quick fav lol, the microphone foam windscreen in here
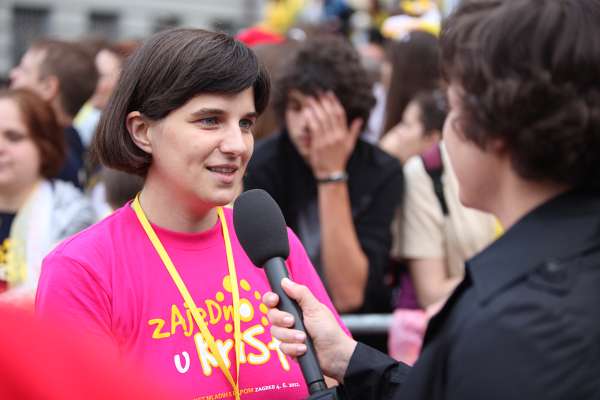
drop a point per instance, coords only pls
(260, 226)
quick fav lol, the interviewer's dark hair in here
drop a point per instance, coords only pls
(322, 63)
(528, 73)
(169, 69)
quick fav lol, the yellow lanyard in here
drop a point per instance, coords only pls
(498, 228)
(235, 293)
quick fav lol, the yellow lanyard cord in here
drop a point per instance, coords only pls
(498, 228)
(204, 331)
(235, 295)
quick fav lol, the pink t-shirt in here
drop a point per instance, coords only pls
(108, 282)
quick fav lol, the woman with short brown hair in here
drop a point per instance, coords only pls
(164, 279)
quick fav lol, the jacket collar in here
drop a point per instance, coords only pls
(560, 228)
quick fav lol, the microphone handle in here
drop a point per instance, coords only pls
(276, 270)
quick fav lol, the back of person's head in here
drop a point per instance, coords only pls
(168, 70)
(324, 63)
(527, 74)
(43, 128)
(433, 108)
(74, 69)
(414, 63)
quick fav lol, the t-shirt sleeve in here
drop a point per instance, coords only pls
(423, 232)
(302, 271)
(70, 293)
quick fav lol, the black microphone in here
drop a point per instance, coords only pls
(261, 230)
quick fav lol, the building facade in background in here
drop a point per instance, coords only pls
(23, 21)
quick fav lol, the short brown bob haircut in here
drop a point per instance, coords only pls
(169, 69)
(42, 127)
(528, 74)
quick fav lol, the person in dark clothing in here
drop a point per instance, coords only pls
(74, 163)
(523, 136)
(65, 76)
(336, 191)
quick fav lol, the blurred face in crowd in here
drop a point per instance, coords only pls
(200, 151)
(476, 169)
(27, 74)
(411, 130)
(19, 155)
(408, 138)
(296, 122)
(411, 126)
(109, 68)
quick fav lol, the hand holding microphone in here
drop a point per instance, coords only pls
(261, 230)
(333, 347)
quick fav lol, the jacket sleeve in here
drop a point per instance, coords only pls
(372, 375)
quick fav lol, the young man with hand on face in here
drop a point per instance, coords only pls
(336, 191)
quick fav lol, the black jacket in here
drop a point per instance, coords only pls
(524, 324)
(375, 184)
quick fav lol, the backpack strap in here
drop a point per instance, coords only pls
(432, 161)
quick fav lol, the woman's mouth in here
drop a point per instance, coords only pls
(224, 173)
(223, 170)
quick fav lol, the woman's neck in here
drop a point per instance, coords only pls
(13, 198)
(169, 211)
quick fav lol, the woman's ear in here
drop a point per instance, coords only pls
(139, 129)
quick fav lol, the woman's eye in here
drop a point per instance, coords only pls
(14, 136)
(208, 122)
(246, 124)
